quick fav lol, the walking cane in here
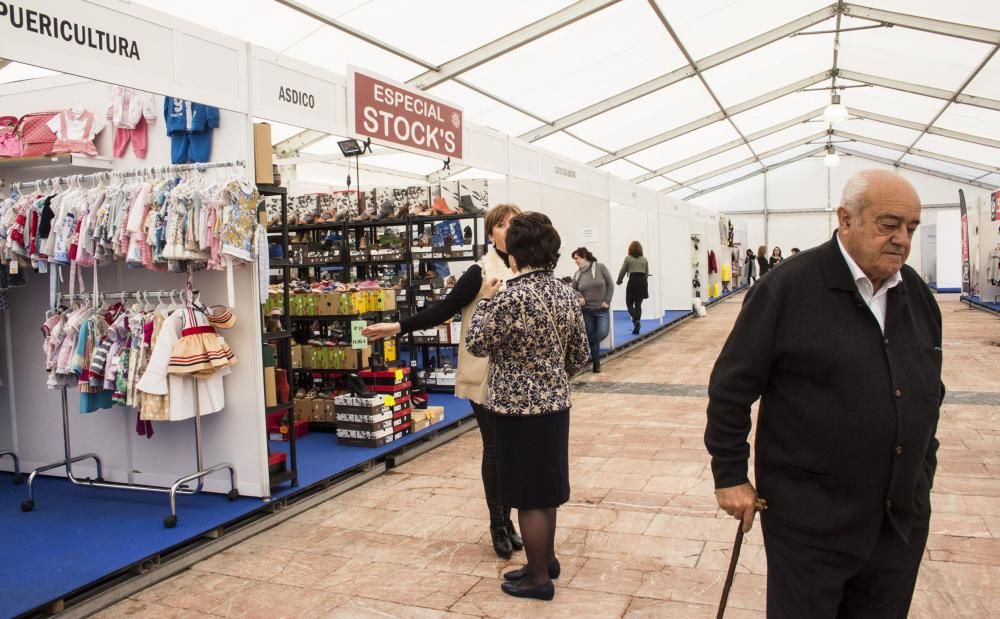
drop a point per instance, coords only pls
(760, 506)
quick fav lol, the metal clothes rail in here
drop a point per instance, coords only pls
(137, 172)
(180, 486)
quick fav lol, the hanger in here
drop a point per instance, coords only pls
(161, 306)
(173, 300)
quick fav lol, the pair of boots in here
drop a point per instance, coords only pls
(502, 532)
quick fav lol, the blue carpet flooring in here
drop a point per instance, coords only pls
(977, 301)
(78, 535)
(623, 327)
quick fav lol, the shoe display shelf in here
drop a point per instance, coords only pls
(283, 469)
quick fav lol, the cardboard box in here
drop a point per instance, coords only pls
(270, 387)
(301, 429)
(329, 411)
(435, 413)
(328, 304)
(318, 412)
(420, 424)
(263, 155)
(303, 408)
(418, 414)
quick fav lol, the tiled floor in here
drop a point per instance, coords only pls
(641, 537)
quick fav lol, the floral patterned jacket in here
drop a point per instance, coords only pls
(533, 333)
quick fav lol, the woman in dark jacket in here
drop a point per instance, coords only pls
(775, 256)
(750, 268)
(534, 336)
(763, 266)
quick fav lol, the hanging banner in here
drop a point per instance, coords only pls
(399, 116)
(966, 275)
(994, 205)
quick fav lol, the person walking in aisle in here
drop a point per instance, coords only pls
(593, 281)
(843, 347)
(533, 333)
(750, 268)
(763, 266)
(470, 379)
(637, 268)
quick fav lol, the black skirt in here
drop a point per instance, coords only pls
(533, 460)
(637, 288)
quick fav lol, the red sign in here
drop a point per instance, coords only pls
(400, 116)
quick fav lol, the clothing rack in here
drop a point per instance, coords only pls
(18, 476)
(150, 171)
(180, 485)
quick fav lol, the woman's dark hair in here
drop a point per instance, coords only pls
(750, 253)
(635, 249)
(533, 242)
(583, 252)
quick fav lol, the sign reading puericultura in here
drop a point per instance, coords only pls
(68, 30)
(402, 117)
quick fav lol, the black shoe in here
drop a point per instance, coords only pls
(554, 570)
(545, 591)
(635, 327)
(501, 541)
(597, 367)
(515, 540)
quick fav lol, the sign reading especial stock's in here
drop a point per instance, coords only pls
(399, 116)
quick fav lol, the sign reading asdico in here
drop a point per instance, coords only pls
(67, 30)
(296, 97)
(398, 115)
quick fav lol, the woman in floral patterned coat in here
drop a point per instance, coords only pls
(534, 335)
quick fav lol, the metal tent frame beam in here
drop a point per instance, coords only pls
(916, 151)
(712, 118)
(914, 168)
(917, 89)
(682, 73)
(509, 42)
(909, 124)
(798, 120)
(739, 164)
(763, 170)
(926, 24)
(701, 77)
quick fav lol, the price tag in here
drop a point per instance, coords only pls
(399, 375)
(358, 341)
(14, 267)
(389, 400)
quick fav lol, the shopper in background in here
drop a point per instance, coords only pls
(470, 379)
(775, 256)
(794, 251)
(750, 268)
(637, 268)
(533, 333)
(843, 347)
(593, 281)
(763, 266)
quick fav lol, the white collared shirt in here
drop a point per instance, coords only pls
(877, 300)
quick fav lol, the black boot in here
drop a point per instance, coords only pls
(635, 327)
(515, 540)
(597, 366)
(498, 533)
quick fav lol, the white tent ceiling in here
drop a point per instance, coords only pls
(682, 97)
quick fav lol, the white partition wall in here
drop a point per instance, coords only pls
(948, 250)
(928, 260)
(179, 59)
(674, 273)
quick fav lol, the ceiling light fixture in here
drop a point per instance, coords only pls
(831, 159)
(835, 112)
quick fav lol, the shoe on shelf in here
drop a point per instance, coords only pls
(440, 207)
(386, 210)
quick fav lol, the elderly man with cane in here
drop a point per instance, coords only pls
(843, 347)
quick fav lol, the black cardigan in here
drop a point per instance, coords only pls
(848, 415)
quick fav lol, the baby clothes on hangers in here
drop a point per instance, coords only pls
(189, 126)
(130, 113)
(75, 131)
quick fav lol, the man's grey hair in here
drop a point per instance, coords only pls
(855, 195)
